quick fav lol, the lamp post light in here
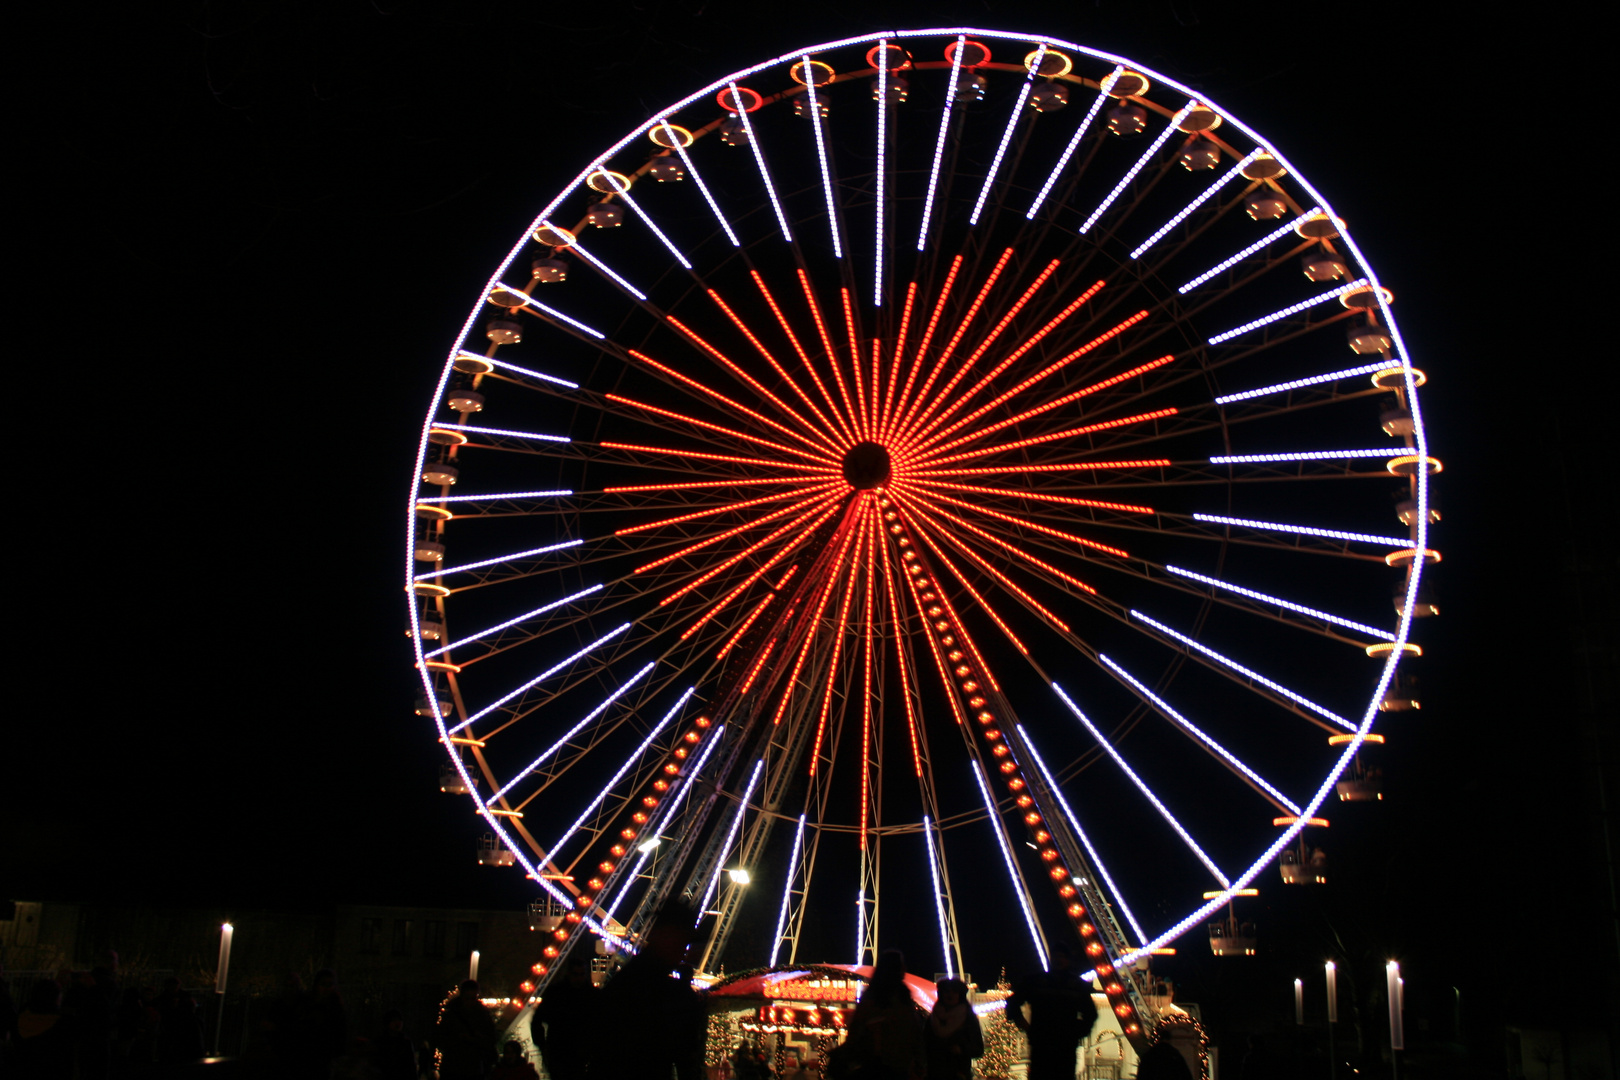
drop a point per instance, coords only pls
(1333, 1015)
(1397, 1030)
(1299, 1002)
(226, 930)
(472, 966)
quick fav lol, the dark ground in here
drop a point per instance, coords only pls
(285, 209)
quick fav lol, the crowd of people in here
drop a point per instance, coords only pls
(84, 1026)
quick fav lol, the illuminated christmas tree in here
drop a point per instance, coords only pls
(1002, 1041)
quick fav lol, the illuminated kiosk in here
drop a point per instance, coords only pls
(932, 450)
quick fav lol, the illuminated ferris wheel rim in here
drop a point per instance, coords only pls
(1401, 361)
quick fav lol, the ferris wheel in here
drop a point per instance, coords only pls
(957, 446)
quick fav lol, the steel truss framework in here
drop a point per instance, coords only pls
(943, 392)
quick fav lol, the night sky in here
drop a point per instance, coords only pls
(257, 228)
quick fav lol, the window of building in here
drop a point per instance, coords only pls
(466, 938)
(402, 938)
(371, 937)
(433, 939)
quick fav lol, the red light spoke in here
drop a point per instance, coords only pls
(985, 564)
(775, 364)
(814, 455)
(724, 400)
(707, 513)
(797, 481)
(877, 351)
(744, 527)
(999, 542)
(1067, 466)
(759, 609)
(866, 697)
(804, 357)
(900, 645)
(748, 684)
(745, 377)
(1128, 508)
(928, 334)
(1047, 529)
(956, 620)
(814, 624)
(855, 363)
(840, 626)
(950, 346)
(825, 470)
(733, 561)
(899, 354)
(759, 573)
(1104, 425)
(826, 343)
(962, 578)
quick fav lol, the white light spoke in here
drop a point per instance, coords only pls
(1371, 631)
(1305, 530)
(1006, 136)
(1074, 823)
(503, 431)
(1298, 699)
(1295, 384)
(525, 617)
(1080, 132)
(1292, 309)
(575, 730)
(939, 900)
(468, 354)
(579, 249)
(1265, 241)
(1000, 828)
(821, 154)
(759, 157)
(1153, 148)
(497, 496)
(939, 145)
(624, 193)
(697, 179)
(731, 838)
(498, 559)
(787, 888)
(547, 309)
(1202, 198)
(1311, 455)
(551, 852)
(882, 177)
(544, 675)
(1198, 733)
(1163, 810)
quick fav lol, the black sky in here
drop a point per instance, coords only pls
(256, 228)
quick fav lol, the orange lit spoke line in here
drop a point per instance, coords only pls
(1005, 545)
(855, 363)
(979, 433)
(1050, 369)
(747, 582)
(839, 627)
(877, 404)
(776, 365)
(928, 333)
(728, 402)
(942, 398)
(956, 621)
(1053, 436)
(759, 609)
(814, 455)
(950, 346)
(741, 555)
(797, 481)
(985, 564)
(1026, 523)
(933, 630)
(826, 344)
(814, 625)
(866, 697)
(758, 386)
(709, 512)
(1016, 493)
(899, 639)
(899, 356)
(748, 683)
(824, 470)
(804, 358)
(1021, 468)
(817, 497)
(939, 553)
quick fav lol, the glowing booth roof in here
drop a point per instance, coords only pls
(811, 982)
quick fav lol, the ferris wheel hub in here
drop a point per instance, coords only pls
(866, 466)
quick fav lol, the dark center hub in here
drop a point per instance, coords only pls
(866, 466)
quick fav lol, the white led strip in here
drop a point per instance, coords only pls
(731, 837)
(1264, 241)
(759, 156)
(1371, 631)
(496, 497)
(787, 889)
(575, 730)
(1074, 142)
(939, 145)
(1202, 198)
(1310, 455)
(555, 314)
(503, 431)
(468, 354)
(821, 154)
(882, 177)
(1298, 699)
(525, 617)
(697, 179)
(1197, 733)
(1074, 823)
(498, 559)
(1164, 136)
(1306, 530)
(579, 249)
(1006, 136)
(1163, 810)
(1287, 311)
(1000, 828)
(546, 674)
(1332, 376)
(939, 900)
(624, 193)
